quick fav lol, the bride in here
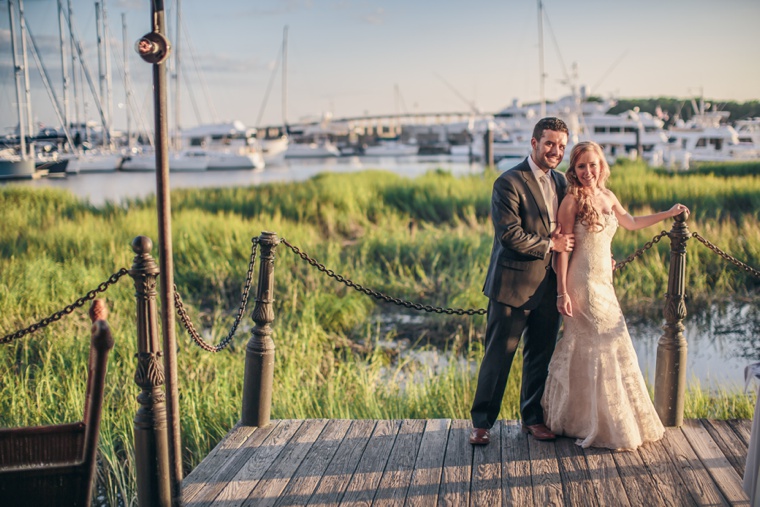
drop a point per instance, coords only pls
(595, 390)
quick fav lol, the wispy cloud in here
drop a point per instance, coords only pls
(377, 17)
(212, 63)
(279, 7)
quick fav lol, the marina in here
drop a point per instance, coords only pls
(328, 396)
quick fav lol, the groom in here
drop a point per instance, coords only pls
(520, 284)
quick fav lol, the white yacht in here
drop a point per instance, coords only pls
(705, 137)
(226, 145)
(322, 148)
(622, 135)
(185, 160)
(95, 161)
(392, 148)
(274, 150)
(748, 131)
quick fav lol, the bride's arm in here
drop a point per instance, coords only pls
(568, 209)
(632, 223)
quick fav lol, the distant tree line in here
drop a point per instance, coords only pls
(671, 108)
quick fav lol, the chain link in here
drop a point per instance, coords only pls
(733, 260)
(185, 318)
(376, 294)
(66, 310)
(638, 253)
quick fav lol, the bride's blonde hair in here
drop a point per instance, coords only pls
(588, 214)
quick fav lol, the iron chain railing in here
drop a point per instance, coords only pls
(733, 260)
(185, 318)
(66, 310)
(198, 340)
(638, 253)
(376, 294)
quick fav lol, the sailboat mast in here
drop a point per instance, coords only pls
(541, 74)
(64, 67)
(27, 89)
(285, 78)
(177, 69)
(127, 90)
(101, 65)
(17, 73)
(74, 68)
(107, 60)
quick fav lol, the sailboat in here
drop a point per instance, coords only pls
(212, 146)
(274, 141)
(17, 164)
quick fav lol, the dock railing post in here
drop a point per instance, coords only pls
(151, 436)
(488, 158)
(670, 370)
(259, 353)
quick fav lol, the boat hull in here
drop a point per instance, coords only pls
(17, 169)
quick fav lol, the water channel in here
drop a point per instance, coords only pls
(722, 340)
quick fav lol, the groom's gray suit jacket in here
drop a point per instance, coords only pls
(520, 262)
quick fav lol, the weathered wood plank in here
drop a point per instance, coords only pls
(605, 477)
(277, 476)
(577, 487)
(743, 428)
(485, 485)
(547, 484)
(257, 463)
(666, 479)
(228, 470)
(729, 442)
(394, 484)
(305, 480)
(217, 458)
(637, 479)
(457, 466)
(363, 485)
(697, 480)
(517, 484)
(715, 462)
(426, 477)
(333, 484)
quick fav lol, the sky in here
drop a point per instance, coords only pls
(370, 57)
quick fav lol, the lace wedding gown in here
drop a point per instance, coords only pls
(595, 390)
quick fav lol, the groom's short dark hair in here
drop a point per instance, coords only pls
(549, 123)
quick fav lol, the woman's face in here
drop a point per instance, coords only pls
(588, 169)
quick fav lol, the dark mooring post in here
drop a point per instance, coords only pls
(670, 371)
(259, 353)
(151, 438)
(488, 147)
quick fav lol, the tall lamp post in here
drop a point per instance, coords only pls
(154, 48)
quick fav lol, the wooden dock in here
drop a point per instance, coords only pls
(419, 463)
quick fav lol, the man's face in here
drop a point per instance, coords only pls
(549, 150)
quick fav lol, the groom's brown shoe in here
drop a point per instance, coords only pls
(539, 431)
(480, 436)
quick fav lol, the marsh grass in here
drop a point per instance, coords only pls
(426, 240)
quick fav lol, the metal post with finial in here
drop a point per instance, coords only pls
(151, 443)
(670, 369)
(259, 353)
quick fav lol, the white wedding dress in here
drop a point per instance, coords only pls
(595, 390)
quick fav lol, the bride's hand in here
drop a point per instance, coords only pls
(564, 306)
(677, 209)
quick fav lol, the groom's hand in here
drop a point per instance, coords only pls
(562, 242)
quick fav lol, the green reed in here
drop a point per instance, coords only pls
(426, 240)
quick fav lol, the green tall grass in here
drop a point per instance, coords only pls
(426, 240)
